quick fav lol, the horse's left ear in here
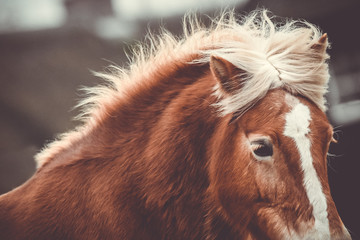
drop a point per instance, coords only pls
(228, 76)
(321, 44)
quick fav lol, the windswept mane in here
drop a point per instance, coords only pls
(271, 56)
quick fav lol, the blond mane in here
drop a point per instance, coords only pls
(273, 56)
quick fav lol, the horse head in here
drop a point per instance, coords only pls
(268, 167)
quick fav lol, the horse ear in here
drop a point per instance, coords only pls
(321, 44)
(226, 74)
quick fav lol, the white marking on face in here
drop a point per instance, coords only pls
(297, 128)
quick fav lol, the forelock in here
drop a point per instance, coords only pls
(274, 55)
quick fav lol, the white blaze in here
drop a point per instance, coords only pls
(297, 128)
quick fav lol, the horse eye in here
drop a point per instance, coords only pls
(262, 148)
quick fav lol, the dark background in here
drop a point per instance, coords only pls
(42, 70)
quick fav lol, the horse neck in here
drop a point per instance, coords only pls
(121, 119)
(166, 135)
(161, 139)
(155, 133)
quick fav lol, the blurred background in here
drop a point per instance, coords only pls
(48, 49)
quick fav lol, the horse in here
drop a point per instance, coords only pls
(218, 134)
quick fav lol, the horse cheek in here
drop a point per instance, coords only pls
(237, 194)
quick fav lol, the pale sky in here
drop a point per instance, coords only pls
(137, 9)
(27, 15)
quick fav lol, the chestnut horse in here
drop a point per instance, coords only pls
(218, 135)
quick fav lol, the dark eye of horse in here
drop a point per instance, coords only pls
(262, 148)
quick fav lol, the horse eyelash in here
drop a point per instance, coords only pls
(256, 147)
